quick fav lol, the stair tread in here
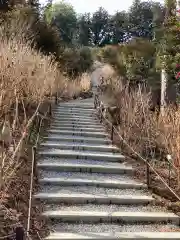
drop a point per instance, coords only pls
(131, 183)
(82, 164)
(99, 146)
(59, 152)
(61, 136)
(77, 132)
(111, 208)
(93, 191)
(84, 176)
(124, 215)
(116, 235)
(111, 228)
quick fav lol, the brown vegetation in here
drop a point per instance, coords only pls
(150, 134)
(28, 81)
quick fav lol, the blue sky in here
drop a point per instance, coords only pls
(112, 6)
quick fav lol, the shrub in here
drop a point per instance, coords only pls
(76, 61)
(134, 60)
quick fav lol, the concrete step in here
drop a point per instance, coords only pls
(103, 207)
(73, 195)
(77, 139)
(79, 133)
(63, 181)
(82, 167)
(89, 107)
(78, 128)
(123, 217)
(78, 125)
(80, 147)
(80, 121)
(74, 110)
(76, 116)
(70, 154)
(120, 235)
(95, 177)
(114, 235)
(111, 228)
(83, 123)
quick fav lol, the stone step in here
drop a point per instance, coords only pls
(75, 117)
(82, 167)
(64, 181)
(77, 139)
(123, 217)
(81, 109)
(75, 114)
(80, 121)
(80, 147)
(84, 176)
(75, 197)
(78, 133)
(89, 107)
(74, 110)
(72, 115)
(78, 116)
(112, 228)
(103, 207)
(78, 125)
(83, 123)
(114, 235)
(70, 154)
(78, 128)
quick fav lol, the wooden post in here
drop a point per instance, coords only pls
(50, 110)
(56, 99)
(34, 159)
(112, 133)
(1, 167)
(19, 233)
(148, 173)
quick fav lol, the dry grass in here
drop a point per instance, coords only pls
(150, 135)
(107, 72)
(26, 77)
(75, 86)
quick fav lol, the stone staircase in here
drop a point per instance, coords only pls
(88, 188)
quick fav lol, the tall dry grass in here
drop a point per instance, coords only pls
(27, 77)
(150, 134)
(75, 86)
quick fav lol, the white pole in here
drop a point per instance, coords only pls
(164, 80)
(178, 6)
